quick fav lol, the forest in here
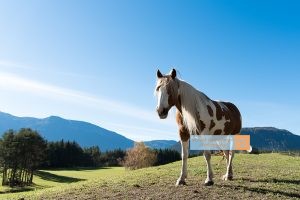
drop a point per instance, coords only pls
(25, 151)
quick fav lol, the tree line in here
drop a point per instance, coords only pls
(24, 151)
(66, 154)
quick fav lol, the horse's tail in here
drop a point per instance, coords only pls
(250, 150)
(253, 150)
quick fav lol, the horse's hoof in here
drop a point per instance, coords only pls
(224, 177)
(180, 182)
(227, 178)
(209, 183)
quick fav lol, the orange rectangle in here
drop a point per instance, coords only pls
(241, 142)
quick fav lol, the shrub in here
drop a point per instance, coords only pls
(139, 156)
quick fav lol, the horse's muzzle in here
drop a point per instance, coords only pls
(162, 113)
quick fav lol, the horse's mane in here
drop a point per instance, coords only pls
(192, 103)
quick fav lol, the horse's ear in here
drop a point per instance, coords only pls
(173, 73)
(158, 74)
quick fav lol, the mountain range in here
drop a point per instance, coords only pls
(55, 128)
(265, 139)
(270, 138)
(160, 144)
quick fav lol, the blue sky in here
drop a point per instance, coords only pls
(96, 60)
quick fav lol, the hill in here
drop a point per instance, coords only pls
(270, 138)
(264, 176)
(55, 128)
(266, 138)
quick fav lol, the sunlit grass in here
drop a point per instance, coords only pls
(264, 176)
(58, 178)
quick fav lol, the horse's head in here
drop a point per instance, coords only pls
(166, 92)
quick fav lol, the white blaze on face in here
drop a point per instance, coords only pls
(163, 97)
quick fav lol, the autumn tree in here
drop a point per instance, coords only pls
(139, 156)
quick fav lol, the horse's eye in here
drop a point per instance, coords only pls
(158, 88)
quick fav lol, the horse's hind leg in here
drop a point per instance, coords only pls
(229, 157)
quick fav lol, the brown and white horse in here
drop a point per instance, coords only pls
(196, 114)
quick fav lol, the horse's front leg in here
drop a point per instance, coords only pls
(184, 155)
(184, 138)
(209, 179)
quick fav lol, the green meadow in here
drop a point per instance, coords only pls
(264, 176)
(56, 179)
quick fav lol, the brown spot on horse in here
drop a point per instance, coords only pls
(218, 132)
(212, 124)
(210, 111)
(219, 111)
(183, 131)
(233, 125)
(202, 125)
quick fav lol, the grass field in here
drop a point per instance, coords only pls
(59, 178)
(265, 176)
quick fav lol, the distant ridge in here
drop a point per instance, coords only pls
(270, 138)
(160, 144)
(267, 138)
(55, 128)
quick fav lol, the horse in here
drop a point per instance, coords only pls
(196, 114)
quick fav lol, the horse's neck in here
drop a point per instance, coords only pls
(190, 95)
(192, 103)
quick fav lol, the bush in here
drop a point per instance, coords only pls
(139, 156)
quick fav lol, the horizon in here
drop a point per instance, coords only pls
(254, 127)
(97, 61)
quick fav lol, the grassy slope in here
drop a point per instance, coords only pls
(265, 176)
(59, 178)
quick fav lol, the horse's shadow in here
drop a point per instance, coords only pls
(273, 180)
(266, 190)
